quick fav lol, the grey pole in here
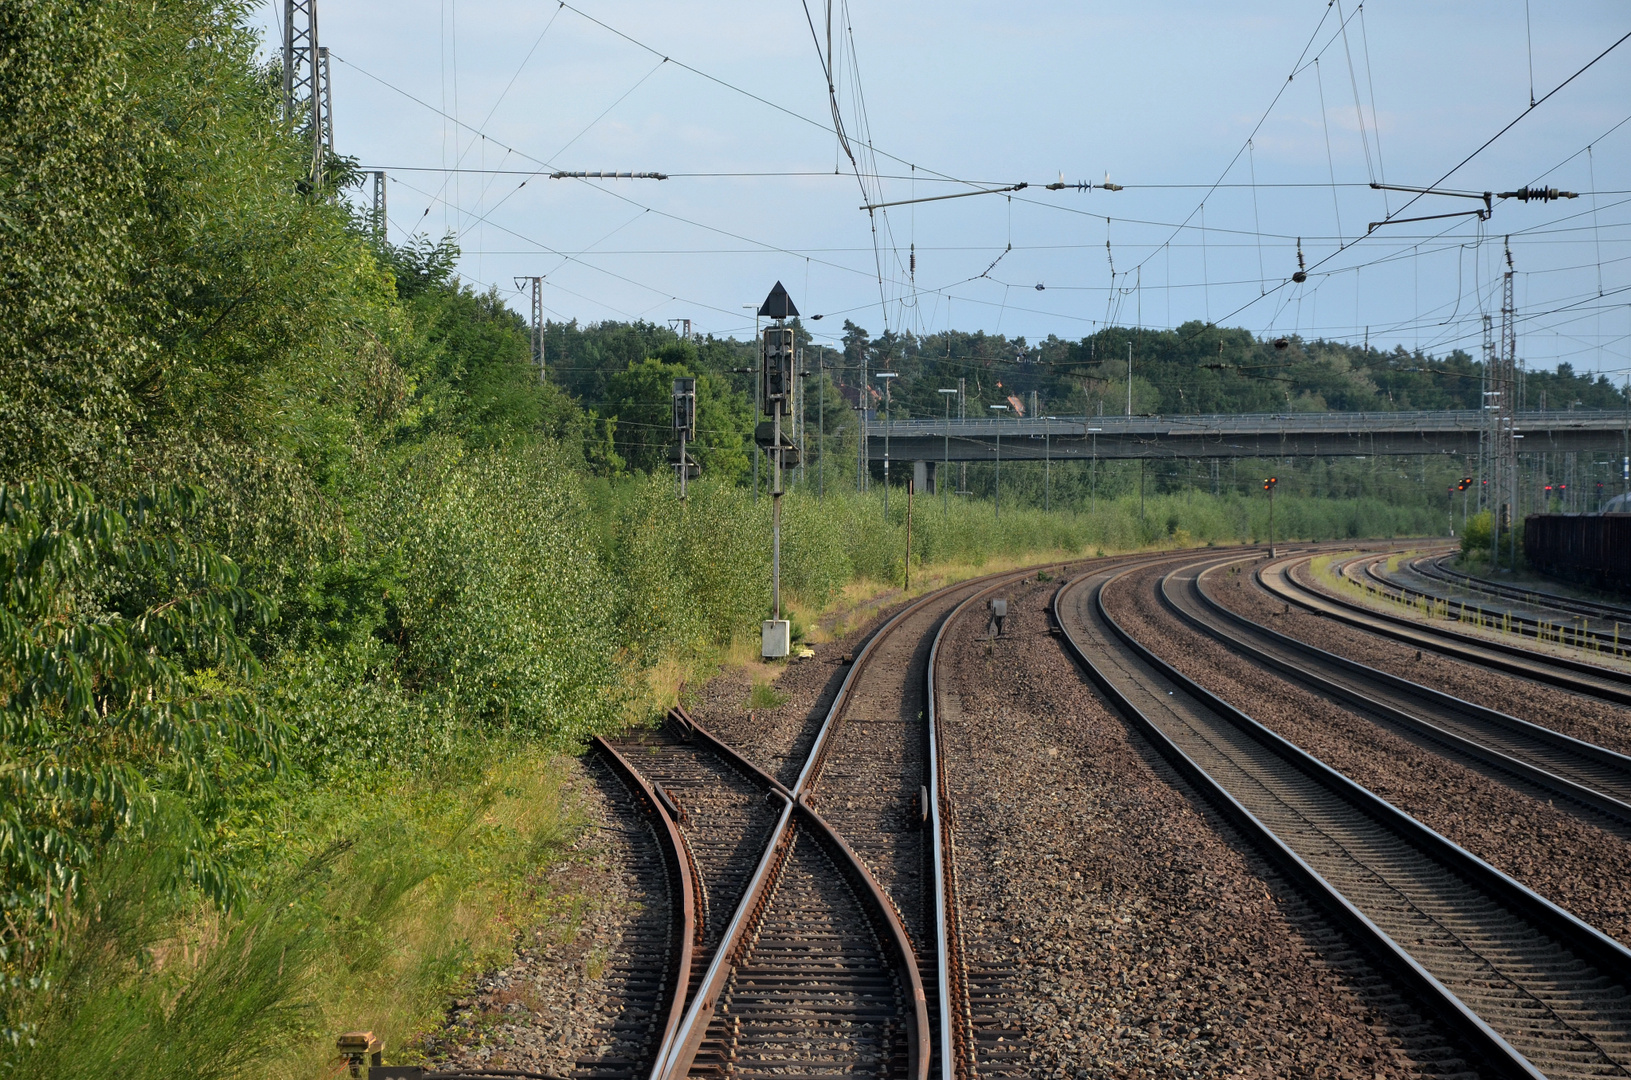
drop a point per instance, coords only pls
(758, 374)
(945, 495)
(996, 493)
(776, 514)
(1047, 466)
(888, 426)
(821, 425)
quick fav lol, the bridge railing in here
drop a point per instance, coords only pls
(1442, 420)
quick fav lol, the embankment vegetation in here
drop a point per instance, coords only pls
(309, 580)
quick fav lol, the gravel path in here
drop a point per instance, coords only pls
(556, 1002)
(1144, 939)
(1582, 717)
(1577, 865)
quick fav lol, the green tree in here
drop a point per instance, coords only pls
(641, 397)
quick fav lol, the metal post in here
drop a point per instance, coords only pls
(776, 516)
(888, 424)
(378, 215)
(996, 495)
(910, 486)
(1129, 378)
(1047, 466)
(866, 465)
(945, 495)
(821, 427)
(962, 414)
(1271, 521)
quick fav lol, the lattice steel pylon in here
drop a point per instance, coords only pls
(1487, 493)
(307, 99)
(537, 285)
(377, 213)
(1504, 445)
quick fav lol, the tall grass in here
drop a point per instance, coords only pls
(372, 929)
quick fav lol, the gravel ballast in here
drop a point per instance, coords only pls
(557, 1001)
(1577, 865)
(1576, 715)
(1143, 938)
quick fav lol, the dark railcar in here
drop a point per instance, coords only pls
(1592, 549)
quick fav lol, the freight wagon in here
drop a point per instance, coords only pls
(1592, 549)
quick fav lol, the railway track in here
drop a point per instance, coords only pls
(1592, 781)
(1590, 680)
(1538, 619)
(1533, 990)
(830, 963)
(1434, 567)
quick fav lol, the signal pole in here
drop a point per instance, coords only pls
(777, 378)
(685, 425)
(1269, 485)
(306, 92)
(888, 424)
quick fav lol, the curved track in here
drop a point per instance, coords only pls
(831, 958)
(1434, 567)
(1591, 680)
(648, 979)
(1534, 617)
(1534, 990)
(1590, 779)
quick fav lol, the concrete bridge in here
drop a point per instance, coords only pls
(1242, 435)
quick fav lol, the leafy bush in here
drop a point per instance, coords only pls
(1477, 535)
(500, 607)
(119, 654)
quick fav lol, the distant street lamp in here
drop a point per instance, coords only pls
(888, 423)
(996, 497)
(946, 393)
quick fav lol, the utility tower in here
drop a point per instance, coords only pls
(1486, 435)
(537, 286)
(1504, 447)
(307, 98)
(377, 215)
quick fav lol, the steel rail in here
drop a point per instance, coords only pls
(1350, 830)
(956, 1042)
(682, 1049)
(1457, 610)
(1581, 773)
(956, 1038)
(682, 891)
(688, 1039)
(1435, 568)
(1560, 671)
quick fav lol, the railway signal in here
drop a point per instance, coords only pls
(685, 426)
(1269, 485)
(776, 376)
(1466, 482)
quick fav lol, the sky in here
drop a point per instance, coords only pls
(1241, 135)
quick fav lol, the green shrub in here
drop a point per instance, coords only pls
(1477, 534)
